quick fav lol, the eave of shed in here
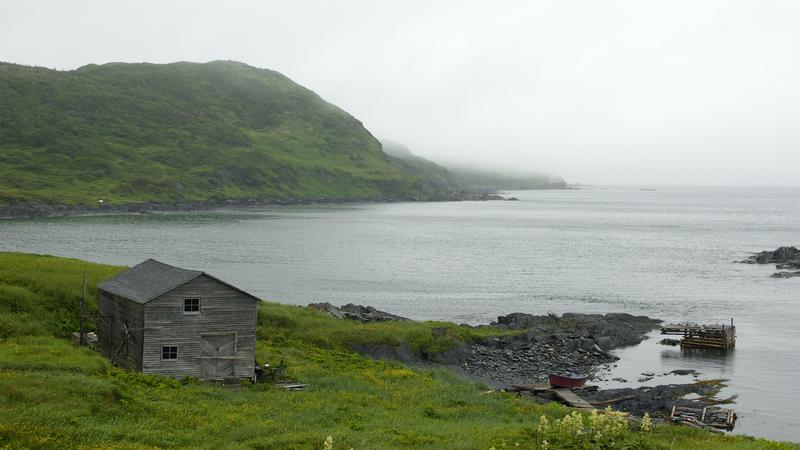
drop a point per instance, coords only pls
(150, 279)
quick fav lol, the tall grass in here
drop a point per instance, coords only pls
(40, 295)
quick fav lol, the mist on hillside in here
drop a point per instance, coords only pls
(479, 177)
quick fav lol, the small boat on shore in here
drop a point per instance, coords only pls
(567, 380)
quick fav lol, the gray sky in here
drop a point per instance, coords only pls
(609, 92)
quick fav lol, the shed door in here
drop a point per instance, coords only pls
(218, 354)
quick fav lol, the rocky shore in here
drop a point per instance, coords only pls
(784, 258)
(356, 312)
(657, 400)
(32, 209)
(545, 344)
(536, 346)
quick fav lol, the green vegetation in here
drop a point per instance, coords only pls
(184, 132)
(56, 395)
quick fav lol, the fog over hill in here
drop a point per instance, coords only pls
(474, 177)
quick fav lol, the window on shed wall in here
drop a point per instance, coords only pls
(191, 305)
(169, 352)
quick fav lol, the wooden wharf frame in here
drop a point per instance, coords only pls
(721, 337)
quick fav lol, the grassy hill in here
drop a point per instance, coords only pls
(56, 395)
(184, 132)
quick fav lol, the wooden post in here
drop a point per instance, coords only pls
(82, 336)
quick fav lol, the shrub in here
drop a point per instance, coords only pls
(599, 430)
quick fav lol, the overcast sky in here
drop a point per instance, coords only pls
(606, 92)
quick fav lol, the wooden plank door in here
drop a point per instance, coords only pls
(217, 355)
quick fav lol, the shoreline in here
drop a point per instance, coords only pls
(540, 345)
(28, 210)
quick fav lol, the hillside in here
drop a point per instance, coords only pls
(185, 132)
(56, 395)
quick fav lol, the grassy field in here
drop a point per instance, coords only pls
(56, 395)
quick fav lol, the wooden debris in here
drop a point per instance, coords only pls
(614, 400)
(711, 418)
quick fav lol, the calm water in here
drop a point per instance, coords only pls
(665, 253)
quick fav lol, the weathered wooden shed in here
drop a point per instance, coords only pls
(160, 319)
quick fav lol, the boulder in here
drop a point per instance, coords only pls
(605, 343)
(781, 255)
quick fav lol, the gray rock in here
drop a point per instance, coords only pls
(785, 274)
(356, 312)
(656, 400)
(605, 342)
(784, 258)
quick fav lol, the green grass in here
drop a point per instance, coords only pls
(56, 395)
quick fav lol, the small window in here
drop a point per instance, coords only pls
(191, 305)
(169, 352)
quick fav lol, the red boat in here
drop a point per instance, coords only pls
(567, 380)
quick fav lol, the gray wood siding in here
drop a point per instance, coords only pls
(116, 315)
(222, 310)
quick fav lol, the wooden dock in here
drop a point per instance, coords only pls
(721, 337)
(564, 395)
(571, 399)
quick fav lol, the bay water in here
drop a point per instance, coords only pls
(667, 253)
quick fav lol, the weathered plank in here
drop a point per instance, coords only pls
(572, 399)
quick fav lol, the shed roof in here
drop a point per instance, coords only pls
(150, 279)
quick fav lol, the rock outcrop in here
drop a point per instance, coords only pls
(572, 342)
(607, 331)
(789, 256)
(356, 312)
(657, 400)
(784, 258)
(785, 274)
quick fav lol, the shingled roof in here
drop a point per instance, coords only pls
(150, 279)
